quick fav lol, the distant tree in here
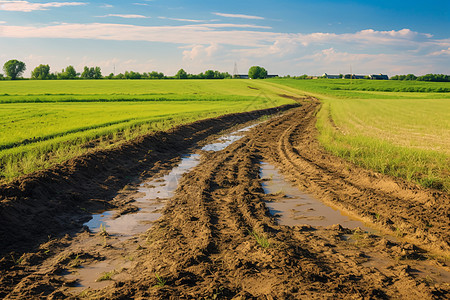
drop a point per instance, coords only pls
(70, 72)
(41, 72)
(155, 75)
(410, 77)
(97, 73)
(181, 74)
(132, 75)
(14, 68)
(209, 74)
(434, 77)
(86, 73)
(119, 76)
(1, 76)
(257, 72)
(92, 73)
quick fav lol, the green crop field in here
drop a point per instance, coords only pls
(404, 134)
(47, 122)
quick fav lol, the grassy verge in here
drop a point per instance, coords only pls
(390, 133)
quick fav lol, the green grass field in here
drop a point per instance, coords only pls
(47, 122)
(131, 90)
(404, 134)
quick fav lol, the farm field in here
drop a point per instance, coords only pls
(137, 212)
(45, 122)
(403, 134)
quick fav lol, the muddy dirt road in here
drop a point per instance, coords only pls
(216, 238)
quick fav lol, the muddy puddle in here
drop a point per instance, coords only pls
(156, 193)
(296, 208)
(153, 196)
(228, 139)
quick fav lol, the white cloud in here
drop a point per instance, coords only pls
(186, 34)
(124, 16)
(106, 6)
(182, 20)
(26, 6)
(441, 52)
(200, 52)
(229, 25)
(240, 16)
(2, 22)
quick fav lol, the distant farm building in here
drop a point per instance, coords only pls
(353, 76)
(379, 77)
(325, 75)
(271, 76)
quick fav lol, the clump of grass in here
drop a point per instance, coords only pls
(103, 231)
(106, 276)
(260, 239)
(76, 262)
(17, 261)
(160, 281)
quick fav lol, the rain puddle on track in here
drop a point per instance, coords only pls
(298, 208)
(155, 195)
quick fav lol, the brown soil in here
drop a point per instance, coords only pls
(205, 244)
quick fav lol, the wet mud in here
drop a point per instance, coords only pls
(218, 238)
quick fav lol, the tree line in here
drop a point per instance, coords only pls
(427, 77)
(14, 69)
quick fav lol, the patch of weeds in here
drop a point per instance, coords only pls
(160, 281)
(106, 276)
(17, 261)
(103, 230)
(85, 294)
(378, 217)
(75, 263)
(260, 239)
(428, 280)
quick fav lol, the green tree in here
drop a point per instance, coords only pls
(155, 75)
(91, 73)
(181, 74)
(97, 73)
(41, 72)
(14, 68)
(209, 74)
(86, 73)
(70, 72)
(257, 72)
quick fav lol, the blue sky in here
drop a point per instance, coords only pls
(285, 37)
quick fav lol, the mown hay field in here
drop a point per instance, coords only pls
(47, 122)
(403, 134)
